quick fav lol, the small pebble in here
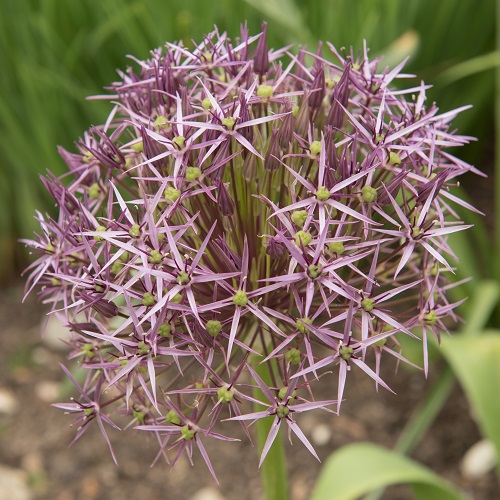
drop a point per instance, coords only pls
(208, 493)
(54, 334)
(478, 460)
(13, 484)
(321, 434)
(48, 391)
(8, 403)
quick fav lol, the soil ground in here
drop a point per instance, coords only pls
(34, 436)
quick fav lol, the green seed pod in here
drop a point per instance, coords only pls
(302, 323)
(265, 91)
(155, 257)
(394, 158)
(192, 173)
(336, 247)
(139, 416)
(315, 148)
(302, 237)
(322, 193)
(213, 327)
(282, 394)
(293, 356)
(368, 304)
(88, 157)
(148, 299)
(282, 411)
(187, 433)
(161, 122)
(138, 147)
(240, 298)
(135, 231)
(299, 217)
(165, 330)
(346, 352)
(368, 194)
(116, 267)
(171, 194)
(431, 318)
(228, 122)
(183, 278)
(176, 298)
(225, 395)
(206, 104)
(314, 271)
(94, 190)
(172, 418)
(88, 350)
(179, 141)
(142, 348)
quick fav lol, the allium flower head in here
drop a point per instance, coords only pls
(242, 206)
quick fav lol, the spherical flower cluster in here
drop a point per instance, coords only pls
(245, 208)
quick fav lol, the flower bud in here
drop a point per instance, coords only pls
(293, 356)
(135, 231)
(302, 324)
(172, 418)
(282, 411)
(225, 204)
(336, 247)
(224, 395)
(148, 299)
(322, 193)
(346, 352)
(265, 91)
(240, 298)
(302, 238)
(261, 57)
(368, 194)
(213, 327)
(165, 330)
(299, 217)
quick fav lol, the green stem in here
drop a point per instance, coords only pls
(496, 176)
(426, 412)
(273, 470)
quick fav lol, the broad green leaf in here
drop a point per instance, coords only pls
(358, 469)
(470, 67)
(476, 362)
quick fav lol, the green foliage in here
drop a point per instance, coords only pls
(358, 469)
(57, 53)
(475, 361)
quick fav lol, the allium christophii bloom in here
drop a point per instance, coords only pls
(242, 206)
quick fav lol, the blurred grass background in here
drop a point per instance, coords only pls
(55, 53)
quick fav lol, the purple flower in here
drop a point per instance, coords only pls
(239, 207)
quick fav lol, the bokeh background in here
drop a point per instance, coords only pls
(56, 53)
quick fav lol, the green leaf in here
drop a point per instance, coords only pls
(360, 468)
(476, 362)
(470, 67)
(286, 13)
